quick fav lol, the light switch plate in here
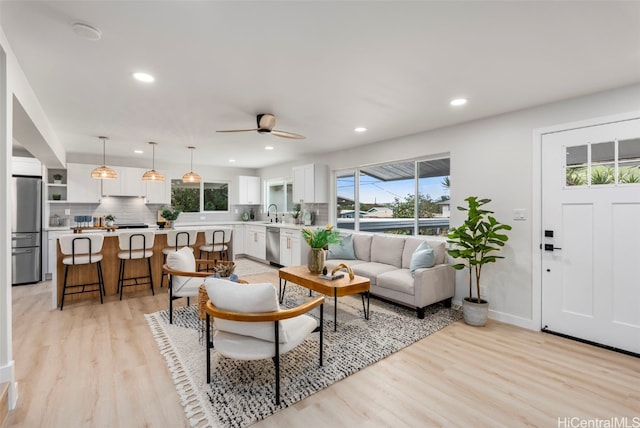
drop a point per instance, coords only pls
(519, 214)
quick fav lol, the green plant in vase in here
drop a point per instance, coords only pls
(170, 214)
(318, 240)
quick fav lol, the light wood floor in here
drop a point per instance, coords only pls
(97, 365)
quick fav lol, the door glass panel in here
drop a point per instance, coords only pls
(629, 161)
(603, 163)
(576, 161)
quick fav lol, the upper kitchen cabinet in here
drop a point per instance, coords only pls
(310, 183)
(159, 192)
(248, 190)
(80, 186)
(128, 183)
(26, 166)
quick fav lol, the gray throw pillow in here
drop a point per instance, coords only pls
(343, 250)
(422, 257)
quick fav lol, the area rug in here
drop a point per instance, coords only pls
(245, 267)
(242, 392)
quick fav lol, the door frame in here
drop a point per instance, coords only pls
(536, 212)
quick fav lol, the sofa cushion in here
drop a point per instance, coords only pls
(399, 280)
(245, 298)
(330, 264)
(343, 250)
(387, 250)
(423, 257)
(411, 244)
(362, 247)
(371, 270)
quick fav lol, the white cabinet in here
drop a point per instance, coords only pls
(290, 242)
(128, 183)
(159, 192)
(50, 253)
(80, 186)
(248, 190)
(238, 239)
(255, 244)
(310, 183)
(26, 166)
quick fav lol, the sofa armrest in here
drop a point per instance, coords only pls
(434, 284)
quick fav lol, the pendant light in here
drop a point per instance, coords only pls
(191, 177)
(103, 172)
(152, 174)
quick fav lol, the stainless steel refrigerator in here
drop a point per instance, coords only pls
(26, 231)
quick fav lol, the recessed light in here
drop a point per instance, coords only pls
(268, 147)
(360, 129)
(143, 77)
(232, 160)
(458, 102)
(138, 152)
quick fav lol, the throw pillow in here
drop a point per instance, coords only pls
(422, 257)
(184, 261)
(343, 250)
(245, 298)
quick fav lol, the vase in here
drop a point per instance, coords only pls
(316, 260)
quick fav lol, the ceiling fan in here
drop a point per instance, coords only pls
(266, 122)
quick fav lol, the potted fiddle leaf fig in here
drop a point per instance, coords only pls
(476, 242)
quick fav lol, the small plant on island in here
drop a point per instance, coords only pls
(110, 217)
(170, 214)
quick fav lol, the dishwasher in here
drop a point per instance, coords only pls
(273, 245)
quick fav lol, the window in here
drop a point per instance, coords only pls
(190, 197)
(408, 197)
(280, 192)
(216, 196)
(185, 196)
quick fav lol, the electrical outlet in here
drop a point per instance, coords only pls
(67, 211)
(203, 217)
(519, 214)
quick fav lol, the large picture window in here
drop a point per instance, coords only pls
(408, 197)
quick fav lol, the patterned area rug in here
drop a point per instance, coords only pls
(245, 267)
(242, 392)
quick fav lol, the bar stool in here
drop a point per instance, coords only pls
(135, 245)
(82, 250)
(216, 241)
(177, 239)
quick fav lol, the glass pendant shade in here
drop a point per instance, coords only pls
(191, 177)
(104, 172)
(152, 174)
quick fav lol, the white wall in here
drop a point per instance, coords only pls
(490, 158)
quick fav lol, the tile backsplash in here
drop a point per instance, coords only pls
(134, 210)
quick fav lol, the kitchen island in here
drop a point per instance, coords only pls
(111, 264)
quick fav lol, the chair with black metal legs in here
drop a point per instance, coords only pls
(216, 242)
(135, 245)
(80, 249)
(177, 239)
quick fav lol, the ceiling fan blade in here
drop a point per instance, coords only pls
(287, 134)
(239, 130)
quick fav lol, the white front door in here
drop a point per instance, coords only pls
(591, 234)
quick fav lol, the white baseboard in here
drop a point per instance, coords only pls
(507, 318)
(7, 374)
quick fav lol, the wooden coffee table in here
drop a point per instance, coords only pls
(337, 288)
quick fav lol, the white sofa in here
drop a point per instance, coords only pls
(385, 260)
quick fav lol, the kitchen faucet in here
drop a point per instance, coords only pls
(269, 210)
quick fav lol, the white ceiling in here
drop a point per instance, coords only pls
(322, 67)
